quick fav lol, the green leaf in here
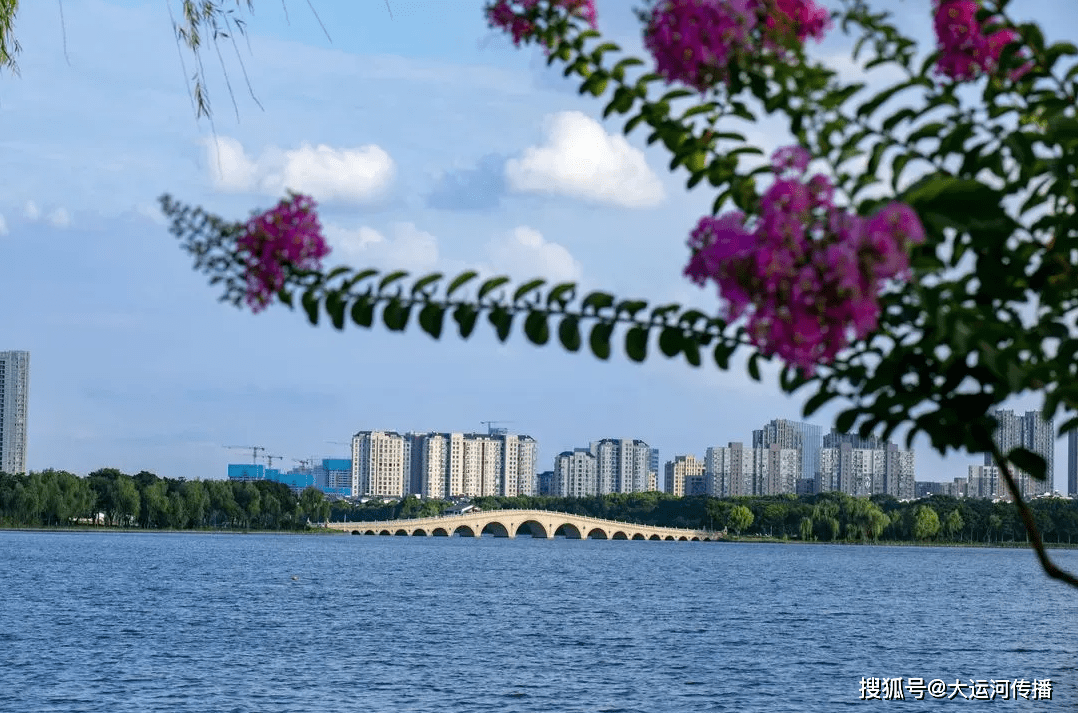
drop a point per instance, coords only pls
(502, 320)
(284, 296)
(691, 350)
(621, 103)
(390, 279)
(395, 315)
(1030, 462)
(561, 293)
(600, 339)
(930, 130)
(671, 340)
(596, 301)
(536, 327)
(569, 332)
(845, 420)
(357, 278)
(636, 343)
(819, 399)
(363, 311)
(722, 353)
(459, 281)
(335, 306)
(528, 287)
(754, 366)
(491, 285)
(310, 305)
(465, 316)
(431, 318)
(422, 283)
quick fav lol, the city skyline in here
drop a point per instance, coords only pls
(462, 172)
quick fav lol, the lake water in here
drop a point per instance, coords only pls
(272, 624)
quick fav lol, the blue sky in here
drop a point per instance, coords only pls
(431, 143)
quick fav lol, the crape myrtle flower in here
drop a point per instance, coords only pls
(286, 237)
(968, 48)
(808, 274)
(512, 15)
(696, 42)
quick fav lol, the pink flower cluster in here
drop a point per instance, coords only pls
(286, 236)
(695, 41)
(966, 50)
(512, 15)
(810, 272)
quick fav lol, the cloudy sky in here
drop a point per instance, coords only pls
(431, 144)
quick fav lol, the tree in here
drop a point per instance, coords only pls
(954, 523)
(926, 522)
(806, 529)
(739, 519)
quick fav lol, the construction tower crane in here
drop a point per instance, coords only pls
(254, 451)
(305, 463)
(269, 460)
(492, 431)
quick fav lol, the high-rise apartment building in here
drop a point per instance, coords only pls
(380, 464)
(1031, 431)
(734, 470)
(623, 465)
(865, 466)
(804, 437)
(685, 476)
(442, 465)
(1072, 463)
(14, 402)
(575, 473)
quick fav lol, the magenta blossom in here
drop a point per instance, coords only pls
(699, 42)
(286, 237)
(808, 274)
(968, 48)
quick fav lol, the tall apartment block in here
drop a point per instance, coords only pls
(1029, 430)
(441, 465)
(865, 466)
(1072, 463)
(804, 437)
(14, 401)
(735, 470)
(575, 473)
(685, 476)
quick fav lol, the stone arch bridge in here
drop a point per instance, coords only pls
(536, 523)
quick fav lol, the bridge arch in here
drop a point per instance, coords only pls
(655, 537)
(401, 532)
(494, 528)
(419, 532)
(639, 536)
(683, 539)
(439, 532)
(619, 535)
(385, 532)
(532, 528)
(568, 530)
(668, 538)
(464, 531)
(598, 533)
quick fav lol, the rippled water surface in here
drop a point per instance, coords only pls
(269, 624)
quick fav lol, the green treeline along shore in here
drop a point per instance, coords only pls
(110, 498)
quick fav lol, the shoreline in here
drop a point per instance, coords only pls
(750, 540)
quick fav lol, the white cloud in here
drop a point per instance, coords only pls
(580, 159)
(31, 211)
(3, 225)
(525, 254)
(408, 248)
(329, 174)
(59, 218)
